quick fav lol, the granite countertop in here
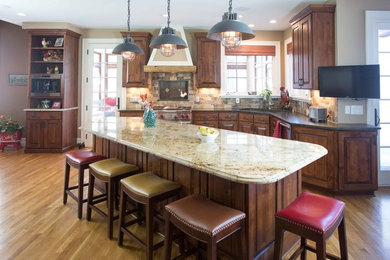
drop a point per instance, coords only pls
(49, 109)
(289, 117)
(235, 156)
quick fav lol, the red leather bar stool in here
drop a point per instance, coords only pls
(81, 161)
(205, 221)
(147, 189)
(109, 171)
(314, 217)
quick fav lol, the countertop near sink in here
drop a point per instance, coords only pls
(289, 117)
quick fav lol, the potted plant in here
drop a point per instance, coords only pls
(10, 130)
(266, 95)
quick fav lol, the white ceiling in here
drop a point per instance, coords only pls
(104, 14)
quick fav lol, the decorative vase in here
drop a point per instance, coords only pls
(4, 137)
(149, 117)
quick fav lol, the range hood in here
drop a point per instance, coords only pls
(180, 62)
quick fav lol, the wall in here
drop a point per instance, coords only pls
(13, 60)
(350, 44)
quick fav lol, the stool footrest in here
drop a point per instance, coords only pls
(312, 249)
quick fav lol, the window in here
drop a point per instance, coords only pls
(251, 69)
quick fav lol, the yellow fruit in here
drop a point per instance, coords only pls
(210, 131)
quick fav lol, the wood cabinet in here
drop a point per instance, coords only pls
(228, 125)
(358, 168)
(313, 40)
(261, 129)
(206, 123)
(254, 123)
(322, 172)
(133, 74)
(53, 75)
(208, 62)
(131, 113)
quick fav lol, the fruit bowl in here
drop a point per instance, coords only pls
(207, 135)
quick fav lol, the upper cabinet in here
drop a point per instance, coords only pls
(208, 62)
(313, 44)
(133, 72)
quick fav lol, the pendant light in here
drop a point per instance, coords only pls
(168, 42)
(230, 31)
(128, 49)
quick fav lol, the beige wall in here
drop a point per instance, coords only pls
(350, 44)
(13, 60)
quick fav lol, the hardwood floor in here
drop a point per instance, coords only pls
(34, 224)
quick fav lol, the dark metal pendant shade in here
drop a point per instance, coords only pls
(216, 31)
(168, 36)
(128, 45)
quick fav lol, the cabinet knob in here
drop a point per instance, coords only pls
(52, 116)
(300, 82)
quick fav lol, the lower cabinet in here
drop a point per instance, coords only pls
(131, 113)
(228, 125)
(261, 129)
(245, 127)
(322, 172)
(351, 163)
(358, 169)
(206, 123)
(51, 131)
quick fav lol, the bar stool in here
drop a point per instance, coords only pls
(81, 161)
(313, 217)
(147, 189)
(109, 171)
(205, 221)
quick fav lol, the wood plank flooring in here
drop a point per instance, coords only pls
(34, 224)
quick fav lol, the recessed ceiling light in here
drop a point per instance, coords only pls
(251, 25)
(21, 14)
(165, 15)
(272, 21)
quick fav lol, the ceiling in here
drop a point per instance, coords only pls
(107, 14)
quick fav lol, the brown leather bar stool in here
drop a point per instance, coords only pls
(147, 189)
(109, 171)
(204, 220)
(313, 217)
(79, 160)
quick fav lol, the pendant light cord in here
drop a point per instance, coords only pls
(230, 6)
(128, 18)
(169, 13)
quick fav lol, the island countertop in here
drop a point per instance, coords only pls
(239, 157)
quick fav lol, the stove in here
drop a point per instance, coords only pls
(182, 114)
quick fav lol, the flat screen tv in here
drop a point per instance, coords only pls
(361, 81)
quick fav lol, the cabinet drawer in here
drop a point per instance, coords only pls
(205, 116)
(228, 125)
(229, 116)
(263, 119)
(44, 115)
(246, 127)
(131, 113)
(261, 129)
(206, 123)
(245, 117)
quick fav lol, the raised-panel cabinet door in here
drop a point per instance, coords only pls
(35, 134)
(246, 127)
(358, 168)
(228, 125)
(323, 171)
(53, 134)
(297, 54)
(208, 62)
(133, 71)
(261, 129)
(306, 78)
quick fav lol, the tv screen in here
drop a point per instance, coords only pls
(360, 81)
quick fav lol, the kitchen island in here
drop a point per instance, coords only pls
(256, 174)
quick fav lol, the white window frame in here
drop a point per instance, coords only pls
(276, 73)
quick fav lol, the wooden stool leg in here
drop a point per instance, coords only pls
(212, 249)
(122, 215)
(168, 237)
(278, 241)
(303, 245)
(91, 185)
(80, 192)
(343, 240)
(149, 231)
(244, 250)
(111, 201)
(66, 183)
(321, 249)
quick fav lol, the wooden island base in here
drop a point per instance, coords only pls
(258, 201)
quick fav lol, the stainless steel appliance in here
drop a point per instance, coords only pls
(182, 114)
(317, 114)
